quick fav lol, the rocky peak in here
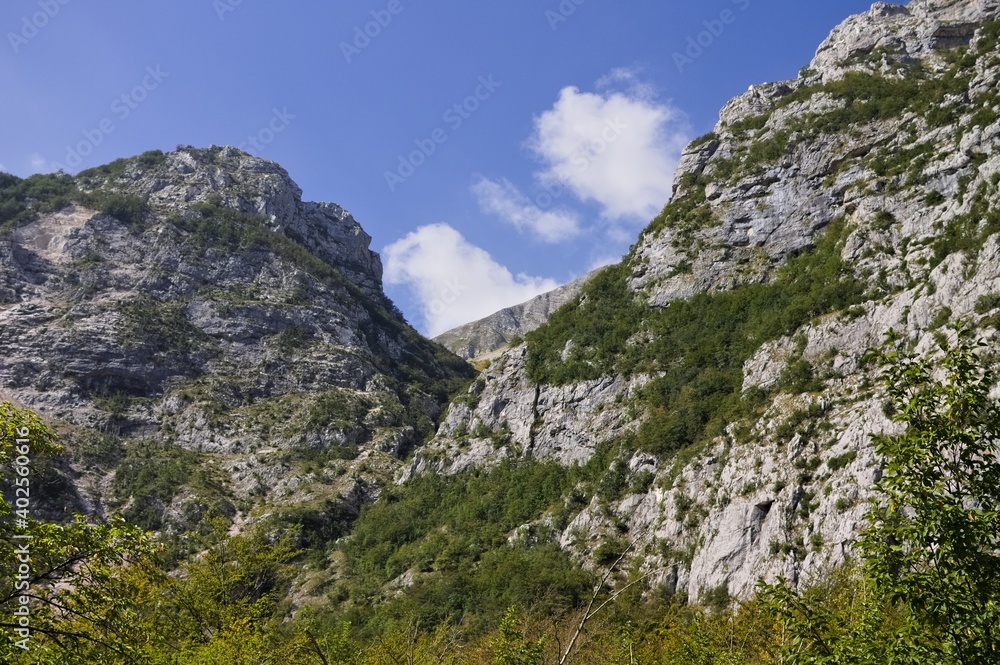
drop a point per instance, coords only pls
(880, 40)
(230, 178)
(912, 31)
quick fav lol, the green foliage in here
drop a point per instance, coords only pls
(510, 647)
(967, 232)
(868, 98)
(798, 376)
(683, 215)
(703, 140)
(699, 344)
(151, 159)
(454, 531)
(942, 316)
(336, 409)
(843, 619)
(841, 461)
(126, 208)
(927, 589)
(599, 330)
(609, 551)
(884, 220)
(22, 200)
(934, 198)
(933, 542)
(149, 476)
(70, 578)
(987, 303)
(159, 326)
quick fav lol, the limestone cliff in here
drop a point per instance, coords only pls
(209, 343)
(881, 157)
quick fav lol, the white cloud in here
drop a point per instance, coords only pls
(502, 198)
(626, 79)
(38, 164)
(455, 281)
(603, 261)
(617, 148)
(3, 169)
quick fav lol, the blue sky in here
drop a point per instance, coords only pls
(492, 149)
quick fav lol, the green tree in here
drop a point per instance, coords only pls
(927, 588)
(511, 647)
(63, 598)
(933, 543)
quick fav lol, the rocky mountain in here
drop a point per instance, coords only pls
(490, 334)
(717, 374)
(215, 351)
(208, 343)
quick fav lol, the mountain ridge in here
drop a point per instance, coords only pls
(218, 356)
(494, 332)
(874, 175)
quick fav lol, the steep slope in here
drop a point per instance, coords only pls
(717, 373)
(210, 344)
(494, 332)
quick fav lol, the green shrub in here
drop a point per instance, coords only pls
(702, 140)
(21, 200)
(934, 198)
(609, 551)
(125, 208)
(987, 303)
(150, 475)
(799, 376)
(151, 159)
(884, 220)
(457, 529)
(159, 326)
(841, 461)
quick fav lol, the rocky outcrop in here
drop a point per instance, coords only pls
(912, 32)
(891, 133)
(211, 312)
(505, 416)
(494, 332)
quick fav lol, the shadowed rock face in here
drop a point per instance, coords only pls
(914, 181)
(231, 319)
(483, 337)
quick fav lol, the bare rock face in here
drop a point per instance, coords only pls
(505, 416)
(214, 316)
(483, 337)
(891, 134)
(914, 31)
